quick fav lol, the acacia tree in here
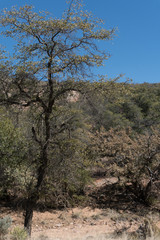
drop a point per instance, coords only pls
(52, 56)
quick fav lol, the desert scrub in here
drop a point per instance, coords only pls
(96, 217)
(5, 224)
(76, 215)
(19, 234)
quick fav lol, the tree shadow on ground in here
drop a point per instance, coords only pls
(118, 197)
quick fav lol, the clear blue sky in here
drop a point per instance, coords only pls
(135, 51)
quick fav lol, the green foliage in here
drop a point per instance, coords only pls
(11, 142)
(135, 106)
(147, 98)
(19, 234)
(5, 224)
(12, 154)
(49, 37)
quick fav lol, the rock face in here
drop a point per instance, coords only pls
(73, 96)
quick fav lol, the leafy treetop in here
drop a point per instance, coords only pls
(67, 45)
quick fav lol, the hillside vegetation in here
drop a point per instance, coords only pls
(61, 126)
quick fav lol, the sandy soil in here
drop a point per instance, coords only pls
(76, 223)
(80, 223)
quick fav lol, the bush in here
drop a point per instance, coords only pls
(19, 234)
(5, 223)
(133, 158)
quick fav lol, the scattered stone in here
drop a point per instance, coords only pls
(58, 225)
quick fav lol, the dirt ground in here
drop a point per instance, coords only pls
(76, 223)
(83, 223)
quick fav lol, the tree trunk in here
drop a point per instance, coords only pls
(34, 195)
(28, 216)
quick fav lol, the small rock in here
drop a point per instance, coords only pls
(58, 225)
(92, 223)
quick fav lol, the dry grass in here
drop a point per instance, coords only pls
(92, 224)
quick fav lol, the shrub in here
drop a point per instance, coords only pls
(5, 223)
(133, 158)
(19, 234)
